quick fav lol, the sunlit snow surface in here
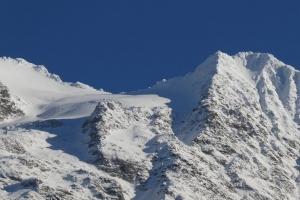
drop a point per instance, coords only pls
(228, 130)
(46, 97)
(61, 149)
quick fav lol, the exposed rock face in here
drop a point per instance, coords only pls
(110, 118)
(29, 173)
(8, 108)
(240, 128)
(242, 140)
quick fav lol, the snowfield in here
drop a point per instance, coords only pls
(228, 130)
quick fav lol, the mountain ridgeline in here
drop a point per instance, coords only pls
(228, 130)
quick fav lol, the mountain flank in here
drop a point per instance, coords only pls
(228, 130)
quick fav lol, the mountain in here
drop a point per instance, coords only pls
(228, 130)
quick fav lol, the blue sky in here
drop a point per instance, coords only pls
(130, 45)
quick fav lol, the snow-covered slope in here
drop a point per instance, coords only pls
(240, 117)
(228, 130)
(46, 96)
(43, 153)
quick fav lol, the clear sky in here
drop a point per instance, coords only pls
(130, 45)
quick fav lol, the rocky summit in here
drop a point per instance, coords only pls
(228, 130)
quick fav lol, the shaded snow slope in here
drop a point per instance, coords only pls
(49, 160)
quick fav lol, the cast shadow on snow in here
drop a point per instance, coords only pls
(68, 136)
(298, 164)
(145, 190)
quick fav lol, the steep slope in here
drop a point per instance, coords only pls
(244, 124)
(230, 130)
(43, 153)
(119, 135)
(49, 160)
(8, 108)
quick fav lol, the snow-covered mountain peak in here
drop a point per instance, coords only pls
(240, 110)
(247, 65)
(38, 68)
(41, 69)
(252, 61)
(17, 60)
(228, 130)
